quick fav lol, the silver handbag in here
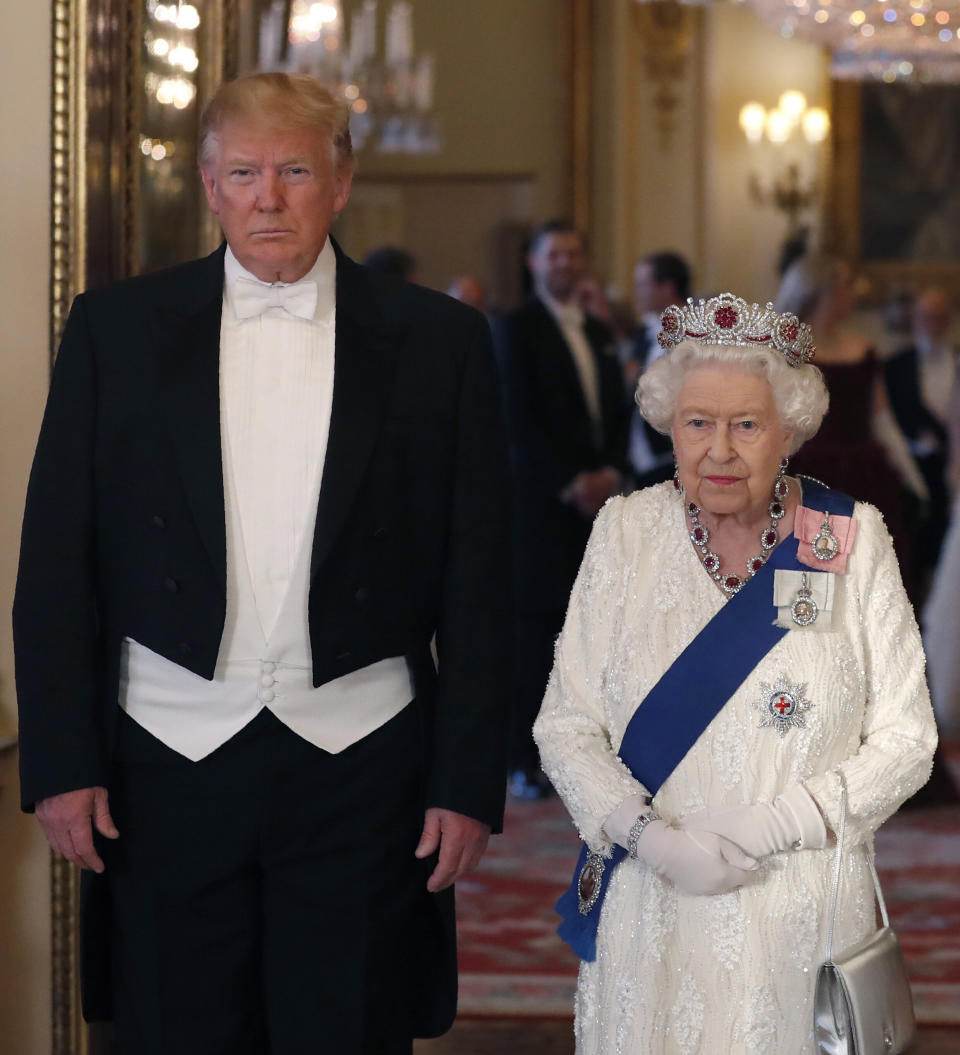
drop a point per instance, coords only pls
(862, 1003)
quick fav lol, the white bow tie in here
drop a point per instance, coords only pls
(251, 299)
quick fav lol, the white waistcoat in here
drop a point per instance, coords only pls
(265, 656)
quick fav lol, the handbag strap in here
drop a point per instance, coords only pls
(837, 875)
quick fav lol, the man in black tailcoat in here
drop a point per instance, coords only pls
(920, 381)
(659, 279)
(266, 481)
(567, 426)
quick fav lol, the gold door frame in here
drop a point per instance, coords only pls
(94, 138)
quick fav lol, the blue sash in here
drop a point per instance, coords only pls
(704, 677)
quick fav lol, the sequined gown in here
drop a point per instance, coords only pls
(678, 974)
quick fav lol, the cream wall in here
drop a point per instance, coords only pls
(744, 60)
(24, 107)
(503, 97)
(501, 92)
(690, 194)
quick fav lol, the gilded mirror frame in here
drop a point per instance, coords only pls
(94, 238)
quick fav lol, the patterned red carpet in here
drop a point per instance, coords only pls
(512, 962)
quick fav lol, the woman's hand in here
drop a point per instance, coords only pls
(791, 821)
(697, 862)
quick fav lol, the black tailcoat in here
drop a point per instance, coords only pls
(124, 530)
(552, 440)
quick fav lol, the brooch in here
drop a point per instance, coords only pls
(589, 882)
(782, 705)
(825, 545)
(804, 610)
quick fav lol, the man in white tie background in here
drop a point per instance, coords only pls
(567, 423)
(659, 279)
(264, 482)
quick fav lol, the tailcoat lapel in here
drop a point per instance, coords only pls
(364, 367)
(187, 331)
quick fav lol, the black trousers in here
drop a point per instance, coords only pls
(266, 899)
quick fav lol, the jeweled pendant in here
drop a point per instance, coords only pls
(804, 610)
(590, 882)
(825, 545)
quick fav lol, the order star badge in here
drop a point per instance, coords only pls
(782, 704)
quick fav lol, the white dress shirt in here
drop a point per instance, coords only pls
(643, 457)
(276, 395)
(570, 318)
(938, 372)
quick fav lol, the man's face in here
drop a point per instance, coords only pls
(557, 264)
(651, 295)
(931, 315)
(276, 194)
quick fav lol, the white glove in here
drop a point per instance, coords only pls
(791, 821)
(697, 862)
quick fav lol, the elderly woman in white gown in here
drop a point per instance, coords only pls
(738, 648)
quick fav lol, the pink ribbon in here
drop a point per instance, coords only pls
(806, 526)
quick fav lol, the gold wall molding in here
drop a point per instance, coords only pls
(67, 161)
(667, 31)
(581, 103)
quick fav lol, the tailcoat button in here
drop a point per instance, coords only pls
(362, 594)
(184, 648)
(158, 521)
(171, 585)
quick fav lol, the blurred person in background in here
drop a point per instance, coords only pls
(660, 279)
(920, 382)
(567, 424)
(392, 261)
(469, 290)
(846, 453)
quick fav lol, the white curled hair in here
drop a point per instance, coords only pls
(800, 393)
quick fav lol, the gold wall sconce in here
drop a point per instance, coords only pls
(787, 140)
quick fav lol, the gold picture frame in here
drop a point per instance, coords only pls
(849, 231)
(96, 75)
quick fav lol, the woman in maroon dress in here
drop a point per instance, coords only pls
(845, 453)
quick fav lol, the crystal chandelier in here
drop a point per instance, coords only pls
(889, 40)
(389, 90)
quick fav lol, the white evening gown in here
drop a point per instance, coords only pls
(732, 974)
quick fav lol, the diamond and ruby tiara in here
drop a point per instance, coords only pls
(727, 319)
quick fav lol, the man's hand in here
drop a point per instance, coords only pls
(65, 820)
(461, 839)
(589, 491)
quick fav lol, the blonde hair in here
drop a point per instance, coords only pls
(287, 101)
(800, 393)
